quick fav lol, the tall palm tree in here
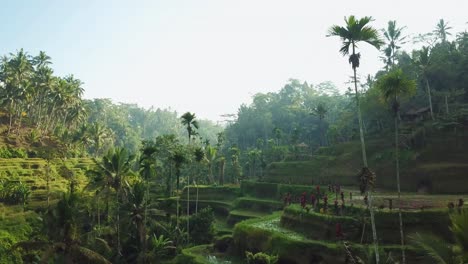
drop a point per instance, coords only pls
(110, 173)
(147, 171)
(320, 111)
(63, 235)
(199, 157)
(188, 120)
(442, 30)
(17, 76)
(98, 134)
(179, 159)
(393, 86)
(356, 31)
(222, 163)
(422, 59)
(394, 39)
(41, 60)
(211, 155)
(137, 206)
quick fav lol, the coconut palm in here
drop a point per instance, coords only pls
(320, 111)
(211, 156)
(98, 134)
(394, 39)
(179, 159)
(41, 60)
(439, 250)
(442, 30)
(222, 162)
(63, 234)
(356, 31)
(110, 173)
(199, 157)
(394, 86)
(188, 120)
(147, 171)
(138, 213)
(422, 59)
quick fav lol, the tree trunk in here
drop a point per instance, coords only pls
(188, 209)
(48, 182)
(364, 159)
(196, 204)
(99, 215)
(446, 105)
(430, 98)
(118, 224)
(221, 173)
(397, 162)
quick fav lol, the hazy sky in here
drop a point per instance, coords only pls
(203, 56)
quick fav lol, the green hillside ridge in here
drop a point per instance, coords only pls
(423, 167)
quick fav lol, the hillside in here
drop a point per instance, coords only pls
(435, 162)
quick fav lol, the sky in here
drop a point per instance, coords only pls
(204, 56)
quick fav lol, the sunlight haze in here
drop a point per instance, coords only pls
(207, 57)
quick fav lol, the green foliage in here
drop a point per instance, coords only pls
(14, 192)
(201, 226)
(260, 258)
(160, 247)
(9, 153)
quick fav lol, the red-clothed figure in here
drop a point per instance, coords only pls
(312, 199)
(325, 202)
(339, 231)
(318, 190)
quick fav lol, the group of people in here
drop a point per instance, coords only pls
(317, 197)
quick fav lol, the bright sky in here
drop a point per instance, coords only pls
(203, 56)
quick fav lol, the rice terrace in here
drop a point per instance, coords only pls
(218, 132)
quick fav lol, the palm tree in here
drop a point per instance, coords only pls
(147, 171)
(320, 111)
(110, 173)
(356, 31)
(422, 59)
(137, 206)
(178, 158)
(442, 30)
(211, 155)
(98, 134)
(42, 60)
(188, 120)
(17, 75)
(199, 157)
(254, 156)
(438, 249)
(222, 162)
(393, 86)
(63, 235)
(394, 37)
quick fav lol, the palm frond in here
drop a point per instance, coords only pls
(434, 247)
(84, 255)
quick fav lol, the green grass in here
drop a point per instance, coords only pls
(236, 216)
(15, 226)
(260, 205)
(438, 167)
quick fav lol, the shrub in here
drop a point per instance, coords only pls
(14, 192)
(260, 258)
(201, 226)
(9, 153)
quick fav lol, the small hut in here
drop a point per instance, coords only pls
(416, 115)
